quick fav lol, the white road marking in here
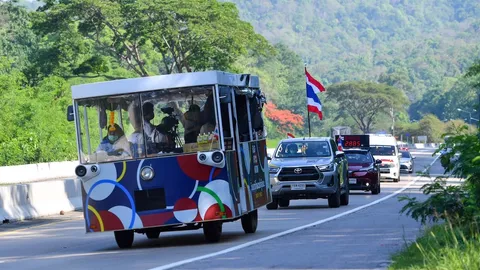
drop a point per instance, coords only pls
(254, 242)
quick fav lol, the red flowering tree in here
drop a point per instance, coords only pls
(286, 120)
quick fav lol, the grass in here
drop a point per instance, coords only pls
(441, 247)
(272, 143)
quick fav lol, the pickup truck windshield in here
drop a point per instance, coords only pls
(303, 149)
(382, 150)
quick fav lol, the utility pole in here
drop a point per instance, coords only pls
(393, 121)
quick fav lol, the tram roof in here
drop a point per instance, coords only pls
(170, 81)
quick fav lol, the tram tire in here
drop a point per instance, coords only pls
(124, 239)
(212, 230)
(250, 222)
(152, 234)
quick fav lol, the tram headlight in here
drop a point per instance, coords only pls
(80, 171)
(217, 157)
(147, 173)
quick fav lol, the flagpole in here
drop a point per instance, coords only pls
(308, 112)
(308, 116)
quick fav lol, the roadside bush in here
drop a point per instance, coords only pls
(458, 204)
(445, 203)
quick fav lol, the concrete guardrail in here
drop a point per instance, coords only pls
(37, 172)
(33, 200)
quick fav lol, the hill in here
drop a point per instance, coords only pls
(417, 46)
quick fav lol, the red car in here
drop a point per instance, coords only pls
(363, 171)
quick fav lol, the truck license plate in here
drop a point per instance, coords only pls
(297, 186)
(352, 181)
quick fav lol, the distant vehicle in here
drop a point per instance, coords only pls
(407, 162)
(384, 147)
(363, 170)
(308, 168)
(402, 146)
(341, 130)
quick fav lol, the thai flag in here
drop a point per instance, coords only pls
(313, 102)
(315, 85)
(340, 143)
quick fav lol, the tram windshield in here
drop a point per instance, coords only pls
(147, 124)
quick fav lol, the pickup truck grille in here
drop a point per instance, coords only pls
(307, 174)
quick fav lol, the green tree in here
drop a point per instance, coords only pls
(17, 40)
(431, 127)
(364, 101)
(139, 35)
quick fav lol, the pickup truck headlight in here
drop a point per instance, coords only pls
(326, 168)
(274, 169)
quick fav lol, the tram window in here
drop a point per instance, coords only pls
(110, 129)
(256, 117)
(183, 121)
(242, 115)
(256, 125)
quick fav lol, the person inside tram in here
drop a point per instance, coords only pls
(148, 115)
(208, 116)
(165, 134)
(191, 121)
(136, 138)
(115, 143)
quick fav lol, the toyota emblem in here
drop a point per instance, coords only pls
(298, 170)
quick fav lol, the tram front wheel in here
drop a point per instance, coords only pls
(250, 221)
(124, 239)
(212, 230)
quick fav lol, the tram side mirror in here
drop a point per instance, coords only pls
(70, 116)
(225, 95)
(269, 157)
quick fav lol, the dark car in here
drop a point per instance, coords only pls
(363, 171)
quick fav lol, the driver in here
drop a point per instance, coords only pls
(115, 143)
(292, 149)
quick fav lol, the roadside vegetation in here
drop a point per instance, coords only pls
(47, 46)
(453, 242)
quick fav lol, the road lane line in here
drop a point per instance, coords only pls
(254, 242)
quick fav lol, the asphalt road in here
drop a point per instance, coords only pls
(350, 239)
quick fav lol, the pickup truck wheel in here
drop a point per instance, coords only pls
(345, 197)
(334, 199)
(124, 239)
(273, 205)
(284, 203)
